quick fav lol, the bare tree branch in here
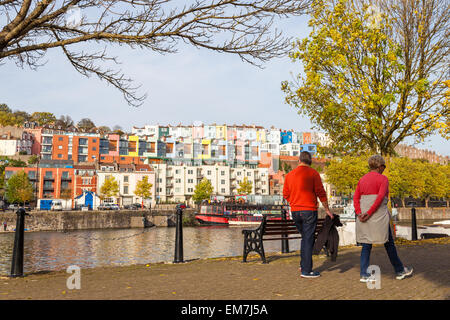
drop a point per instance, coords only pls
(241, 27)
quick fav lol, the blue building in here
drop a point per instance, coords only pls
(286, 137)
(311, 148)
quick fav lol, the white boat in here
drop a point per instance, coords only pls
(442, 222)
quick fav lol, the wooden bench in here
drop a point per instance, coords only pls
(271, 229)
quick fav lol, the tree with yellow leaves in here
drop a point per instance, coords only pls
(374, 77)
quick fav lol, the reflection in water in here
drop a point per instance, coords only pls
(95, 248)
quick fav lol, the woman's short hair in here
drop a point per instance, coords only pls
(376, 161)
(305, 157)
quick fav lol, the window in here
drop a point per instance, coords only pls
(125, 189)
(83, 142)
(125, 178)
(249, 174)
(65, 175)
(60, 147)
(94, 149)
(60, 139)
(190, 189)
(177, 180)
(209, 172)
(94, 140)
(177, 189)
(122, 158)
(222, 181)
(177, 171)
(48, 175)
(190, 180)
(238, 173)
(222, 173)
(59, 155)
(82, 158)
(222, 190)
(190, 171)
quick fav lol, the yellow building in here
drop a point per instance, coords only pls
(221, 132)
(206, 149)
(133, 146)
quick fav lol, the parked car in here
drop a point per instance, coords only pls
(13, 207)
(134, 206)
(56, 205)
(108, 206)
(104, 206)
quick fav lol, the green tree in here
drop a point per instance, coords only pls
(66, 194)
(245, 187)
(109, 188)
(143, 189)
(407, 178)
(33, 159)
(43, 118)
(435, 181)
(86, 124)
(19, 188)
(372, 80)
(343, 174)
(202, 191)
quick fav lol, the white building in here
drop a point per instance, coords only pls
(176, 183)
(290, 149)
(127, 177)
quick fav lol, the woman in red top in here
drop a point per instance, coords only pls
(372, 226)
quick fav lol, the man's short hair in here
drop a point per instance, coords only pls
(305, 157)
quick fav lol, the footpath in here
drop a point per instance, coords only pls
(230, 279)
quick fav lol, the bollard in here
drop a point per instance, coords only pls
(179, 235)
(17, 258)
(284, 242)
(413, 224)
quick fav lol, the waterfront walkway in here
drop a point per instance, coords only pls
(230, 279)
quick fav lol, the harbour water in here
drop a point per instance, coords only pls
(50, 251)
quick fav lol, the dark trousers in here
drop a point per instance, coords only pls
(306, 222)
(391, 252)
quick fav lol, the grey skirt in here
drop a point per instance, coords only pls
(376, 229)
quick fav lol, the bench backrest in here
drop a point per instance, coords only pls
(272, 227)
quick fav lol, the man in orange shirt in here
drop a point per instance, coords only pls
(302, 187)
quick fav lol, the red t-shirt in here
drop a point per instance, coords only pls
(371, 183)
(301, 188)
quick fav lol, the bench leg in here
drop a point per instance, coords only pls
(254, 245)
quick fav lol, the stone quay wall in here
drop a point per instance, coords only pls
(82, 220)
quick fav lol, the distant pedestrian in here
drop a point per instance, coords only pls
(302, 187)
(373, 223)
(4, 226)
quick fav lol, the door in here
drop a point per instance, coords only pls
(89, 200)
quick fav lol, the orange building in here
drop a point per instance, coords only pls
(76, 148)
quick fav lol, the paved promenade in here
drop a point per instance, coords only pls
(230, 279)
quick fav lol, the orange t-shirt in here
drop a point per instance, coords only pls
(302, 187)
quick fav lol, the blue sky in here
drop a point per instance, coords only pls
(191, 85)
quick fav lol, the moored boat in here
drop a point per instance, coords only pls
(226, 213)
